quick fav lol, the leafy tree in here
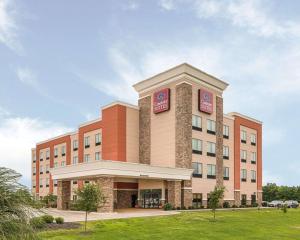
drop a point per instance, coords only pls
(15, 207)
(273, 192)
(89, 197)
(50, 200)
(215, 196)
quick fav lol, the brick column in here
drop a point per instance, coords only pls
(63, 194)
(106, 184)
(174, 193)
(219, 141)
(237, 198)
(187, 195)
(259, 198)
(145, 130)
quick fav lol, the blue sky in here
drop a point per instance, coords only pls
(60, 61)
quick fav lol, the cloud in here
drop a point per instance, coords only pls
(167, 4)
(8, 26)
(131, 5)
(28, 77)
(18, 135)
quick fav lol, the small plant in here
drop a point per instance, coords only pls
(59, 220)
(215, 196)
(190, 207)
(254, 204)
(168, 207)
(234, 206)
(226, 205)
(48, 218)
(183, 208)
(178, 208)
(284, 208)
(37, 222)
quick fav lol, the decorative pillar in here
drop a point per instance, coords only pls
(219, 141)
(63, 194)
(187, 195)
(174, 193)
(259, 198)
(145, 130)
(237, 198)
(106, 184)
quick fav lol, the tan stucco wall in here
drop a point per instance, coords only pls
(151, 184)
(132, 135)
(93, 148)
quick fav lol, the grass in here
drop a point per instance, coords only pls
(233, 225)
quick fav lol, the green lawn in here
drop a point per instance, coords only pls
(247, 224)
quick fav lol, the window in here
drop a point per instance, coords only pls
(41, 156)
(226, 173)
(63, 163)
(47, 168)
(33, 170)
(253, 176)
(98, 139)
(211, 149)
(75, 145)
(55, 152)
(55, 183)
(55, 164)
(211, 126)
(225, 152)
(41, 169)
(86, 158)
(243, 156)
(41, 182)
(197, 146)
(226, 131)
(243, 175)
(47, 154)
(244, 200)
(74, 182)
(86, 182)
(33, 184)
(211, 171)
(253, 139)
(63, 150)
(197, 200)
(197, 123)
(75, 160)
(74, 197)
(243, 136)
(47, 182)
(34, 157)
(253, 157)
(197, 169)
(87, 142)
(97, 156)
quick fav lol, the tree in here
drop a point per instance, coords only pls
(50, 200)
(89, 198)
(15, 206)
(215, 196)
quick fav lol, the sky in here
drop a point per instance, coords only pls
(60, 61)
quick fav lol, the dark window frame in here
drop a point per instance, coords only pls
(211, 132)
(197, 128)
(211, 176)
(211, 154)
(197, 152)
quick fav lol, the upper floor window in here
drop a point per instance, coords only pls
(225, 131)
(243, 156)
(47, 168)
(196, 123)
(34, 157)
(97, 156)
(197, 169)
(226, 173)
(243, 136)
(197, 146)
(253, 139)
(63, 150)
(55, 183)
(63, 163)
(253, 176)
(55, 152)
(33, 184)
(41, 182)
(47, 182)
(253, 157)
(75, 145)
(47, 154)
(211, 171)
(41, 169)
(86, 142)
(225, 152)
(75, 160)
(56, 164)
(34, 170)
(98, 139)
(243, 175)
(211, 149)
(41, 156)
(211, 126)
(86, 158)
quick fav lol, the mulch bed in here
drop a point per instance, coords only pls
(66, 225)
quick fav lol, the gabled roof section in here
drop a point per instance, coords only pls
(182, 69)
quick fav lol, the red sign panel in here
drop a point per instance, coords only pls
(205, 101)
(161, 100)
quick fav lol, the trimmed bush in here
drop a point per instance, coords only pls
(234, 206)
(264, 204)
(284, 208)
(183, 208)
(168, 207)
(37, 222)
(59, 220)
(178, 208)
(254, 204)
(226, 205)
(48, 218)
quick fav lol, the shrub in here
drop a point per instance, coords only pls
(37, 222)
(254, 204)
(234, 206)
(59, 220)
(190, 207)
(284, 208)
(168, 207)
(264, 204)
(242, 206)
(178, 208)
(183, 208)
(48, 218)
(226, 205)
(201, 206)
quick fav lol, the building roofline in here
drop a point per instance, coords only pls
(125, 104)
(244, 116)
(54, 138)
(228, 116)
(89, 122)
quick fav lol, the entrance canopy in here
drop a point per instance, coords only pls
(119, 169)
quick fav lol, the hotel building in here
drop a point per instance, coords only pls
(175, 147)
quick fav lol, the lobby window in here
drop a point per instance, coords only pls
(98, 139)
(225, 152)
(63, 163)
(253, 139)
(243, 156)
(33, 170)
(86, 158)
(75, 145)
(197, 146)
(75, 160)
(211, 149)
(253, 157)
(226, 173)
(41, 156)
(225, 131)
(211, 127)
(197, 169)
(243, 136)
(55, 164)
(211, 171)
(243, 175)
(86, 142)
(55, 152)
(47, 182)
(196, 123)
(63, 151)
(47, 168)
(253, 176)
(41, 169)
(97, 156)
(197, 200)
(47, 154)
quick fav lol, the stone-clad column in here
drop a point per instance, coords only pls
(183, 125)
(187, 194)
(259, 198)
(237, 198)
(174, 193)
(145, 130)
(106, 184)
(219, 141)
(63, 194)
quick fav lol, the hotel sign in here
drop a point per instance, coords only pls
(205, 101)
(161, 100)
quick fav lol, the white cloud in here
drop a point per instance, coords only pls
(28, 77)
(131, 5)
(18, 136)
(167, 4)
(269, 177)
(8, 26)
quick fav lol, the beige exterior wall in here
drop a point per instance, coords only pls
(93, 148)
(132, 135)
(43, 177)
(33, 165)
(151, 184)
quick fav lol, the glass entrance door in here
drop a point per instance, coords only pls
(151, 198)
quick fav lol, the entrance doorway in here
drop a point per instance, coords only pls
(133, 200)
(151, 198)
